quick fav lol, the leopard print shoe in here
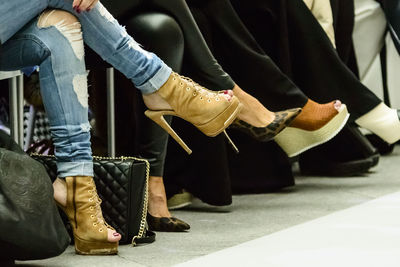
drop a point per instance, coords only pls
(166, 224)
(267, 133)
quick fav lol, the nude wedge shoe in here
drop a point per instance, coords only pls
(209, 111)
(295, 141)
(87, 222)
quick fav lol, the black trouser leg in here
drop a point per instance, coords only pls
(161, 34)
(241, 56)
(199, 60)
(315, 65)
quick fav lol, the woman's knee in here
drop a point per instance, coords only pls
(67, 24)
(160, 34)
(157, 28)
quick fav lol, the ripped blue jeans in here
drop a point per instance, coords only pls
(58, 51)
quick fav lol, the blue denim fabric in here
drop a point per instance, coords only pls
(59, 66)
(101, 32)
(24, 45)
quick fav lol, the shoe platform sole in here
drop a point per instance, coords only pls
(215, 127)
(295, 141)
(84, 247)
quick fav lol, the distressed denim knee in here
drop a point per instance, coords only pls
(64, 92)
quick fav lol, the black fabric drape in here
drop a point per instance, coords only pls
(308, 57)
(343, 23)
(207, 173)
(242, 57)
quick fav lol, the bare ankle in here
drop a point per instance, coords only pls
(60, 191)
(253, 112)
(155, 102)
(157, 197)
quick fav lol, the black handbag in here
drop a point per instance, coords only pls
(30, 225)
(122, 185)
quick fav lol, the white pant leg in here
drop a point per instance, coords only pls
(369, 37)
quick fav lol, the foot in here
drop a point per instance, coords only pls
(155, 102)
(60, 196)
(253, 112)
(314, 116)
(382, 121)
(158, 216)
(157, 198)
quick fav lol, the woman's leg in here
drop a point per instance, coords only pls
(308, 55)
(258, 74)
(251, 67)
(54, 42)
(159, 33)
(164, 92)
(197, 54)
(200, 62)
(101, 32)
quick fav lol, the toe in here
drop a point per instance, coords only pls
(113, 236)
(337, 104)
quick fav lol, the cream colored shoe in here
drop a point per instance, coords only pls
(382, 121)
(179, 200)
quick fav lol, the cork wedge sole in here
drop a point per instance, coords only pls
(295, 141)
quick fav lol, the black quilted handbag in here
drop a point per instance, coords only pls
(122, 185)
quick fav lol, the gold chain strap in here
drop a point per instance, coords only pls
(146, 195)
(145, 203)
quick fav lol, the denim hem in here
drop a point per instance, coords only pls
(65, 169)
(155, 82)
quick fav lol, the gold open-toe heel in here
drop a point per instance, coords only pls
(87, 222)
(210, 112)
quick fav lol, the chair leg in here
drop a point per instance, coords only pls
(12, 87)
(383, 58)
(20, 107)
(30, 128)
(110, 112)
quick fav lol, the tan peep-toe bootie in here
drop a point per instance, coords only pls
(87, 222)
(209, 111)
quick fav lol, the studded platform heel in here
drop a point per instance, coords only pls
(210, 112)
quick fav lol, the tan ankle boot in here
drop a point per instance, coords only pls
(87, 222)
(210, 112)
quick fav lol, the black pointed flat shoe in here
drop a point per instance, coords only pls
(267, 133)
(166, 224)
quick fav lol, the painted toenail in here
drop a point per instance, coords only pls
(337, 104)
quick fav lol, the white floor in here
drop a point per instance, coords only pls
(322, 221)
(366, 235)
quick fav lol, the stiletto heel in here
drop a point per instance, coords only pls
(234, 147)
(205, 109)
(158, 117)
